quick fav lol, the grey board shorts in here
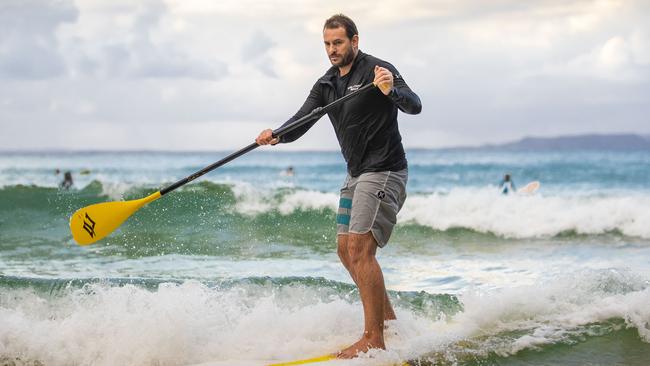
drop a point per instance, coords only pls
(370, 202)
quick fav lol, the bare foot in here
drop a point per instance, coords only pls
(362, 345)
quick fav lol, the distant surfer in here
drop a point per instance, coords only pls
(289, 172)
(67, 180)
(507, 185)
(375, 187)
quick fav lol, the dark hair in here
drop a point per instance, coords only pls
(340, 20)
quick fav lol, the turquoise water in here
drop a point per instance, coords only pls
(241, 266)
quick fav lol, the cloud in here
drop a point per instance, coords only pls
(150, 61)
(258, 46)
(485, 71)
(127, 40)
(256, 51)
(618, 59)
(29, 48)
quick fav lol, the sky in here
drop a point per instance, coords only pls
(210, 75)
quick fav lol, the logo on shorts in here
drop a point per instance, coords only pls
(381, 195)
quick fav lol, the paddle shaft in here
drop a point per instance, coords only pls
(316, 113)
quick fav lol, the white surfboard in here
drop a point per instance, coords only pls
(529, 188)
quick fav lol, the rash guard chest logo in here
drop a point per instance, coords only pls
(354, 87)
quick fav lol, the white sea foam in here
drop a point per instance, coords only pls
(175, 325)
(191, 323)
(530, 216)
(252, 200)
(479, 209)
(307, 200)
(484, 210)
(558, 310)
(116, 190)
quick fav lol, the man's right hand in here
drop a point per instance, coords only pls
(266, 137)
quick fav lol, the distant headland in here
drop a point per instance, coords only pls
(624, 142)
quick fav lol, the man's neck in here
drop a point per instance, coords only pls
(344, 70)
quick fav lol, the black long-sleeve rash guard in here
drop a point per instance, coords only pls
(366, 126)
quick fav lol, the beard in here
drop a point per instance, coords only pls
(346, 58)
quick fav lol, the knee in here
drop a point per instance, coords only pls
(342, 251)
(360, 248)
(342, 246)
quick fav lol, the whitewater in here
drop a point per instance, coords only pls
(240, 267)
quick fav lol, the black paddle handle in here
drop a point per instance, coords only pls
(316, 113)
(208, 168)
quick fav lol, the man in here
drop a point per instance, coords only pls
(375, 188)
(507, 185)
(67, 180)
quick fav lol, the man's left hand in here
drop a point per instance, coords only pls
(383, 79)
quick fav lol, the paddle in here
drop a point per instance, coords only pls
(94, 222)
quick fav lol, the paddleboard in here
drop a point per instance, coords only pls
(328, 360)
(529, 188)
(306, 361)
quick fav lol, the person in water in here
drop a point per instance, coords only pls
(67, 180)
(375, 187)
(507, 185)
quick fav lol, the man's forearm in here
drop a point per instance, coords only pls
(405, 99)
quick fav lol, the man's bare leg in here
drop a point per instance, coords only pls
(367, 275)
(389, 313)
(342, 241)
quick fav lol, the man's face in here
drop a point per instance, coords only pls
(340, 49)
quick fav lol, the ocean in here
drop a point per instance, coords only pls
(240, 266)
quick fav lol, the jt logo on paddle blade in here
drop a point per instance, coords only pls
(381, 195)
(89, 226)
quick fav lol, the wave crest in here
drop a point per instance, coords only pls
(475, 210)
(534, 216)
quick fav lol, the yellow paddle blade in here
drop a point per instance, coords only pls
(94, 222)
(306, 361)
